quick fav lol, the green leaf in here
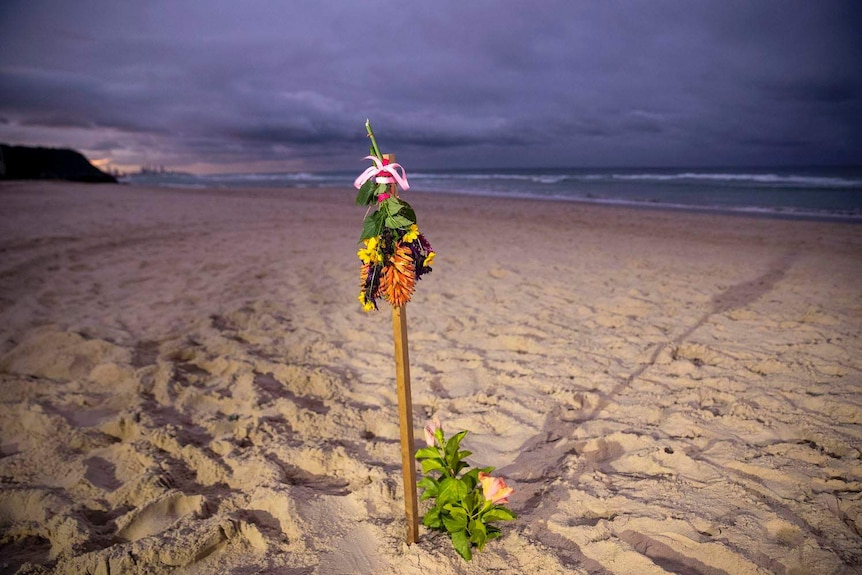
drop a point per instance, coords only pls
(432, 519)
(477, 533)
(456, 520)
(470, 500)
(427, 452)
(408, 212)
(471, 478)
(365, 196)
(391, 205)
(431, 465)
(372, 226)
(462, 544)
(438, 435)
(397, 222)
(451, 491)
(457, 511)
(454, 443)
(429, 486)
(499, 513)
(427, 483)
(493, 532)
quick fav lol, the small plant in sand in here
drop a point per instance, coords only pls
(466, 501)
(395, 255)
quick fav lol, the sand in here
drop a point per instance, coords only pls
(188, 385)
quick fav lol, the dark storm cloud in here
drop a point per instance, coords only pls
(223, 85)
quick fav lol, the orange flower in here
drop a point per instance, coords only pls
(494, 489)
(399, 277)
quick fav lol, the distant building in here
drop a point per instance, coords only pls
(154, 170)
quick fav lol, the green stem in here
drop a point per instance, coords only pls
(374, 147)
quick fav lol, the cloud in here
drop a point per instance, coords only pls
(446, 84)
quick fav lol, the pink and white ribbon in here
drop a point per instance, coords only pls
(383, 173)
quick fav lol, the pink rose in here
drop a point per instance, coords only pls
(430, 430)
(494, 489)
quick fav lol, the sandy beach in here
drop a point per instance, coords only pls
(189, 385)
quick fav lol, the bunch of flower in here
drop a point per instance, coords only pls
(392, 263)
(466, 503)
(394, 255)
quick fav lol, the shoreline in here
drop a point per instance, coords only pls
(813, 192)
(751, 212)
(188, 383)
(739, 212)
(677, 208)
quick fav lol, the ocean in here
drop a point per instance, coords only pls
(821, 193)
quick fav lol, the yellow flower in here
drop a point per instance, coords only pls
(429, 259)
(367, 304)
(369, 254)
(411, 234)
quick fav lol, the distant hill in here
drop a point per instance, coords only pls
(28, 163)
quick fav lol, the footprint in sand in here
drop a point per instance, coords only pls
(159, 515)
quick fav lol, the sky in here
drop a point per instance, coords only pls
(225, 86)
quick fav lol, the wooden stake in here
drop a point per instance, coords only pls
(405, 408)
(405, 416)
